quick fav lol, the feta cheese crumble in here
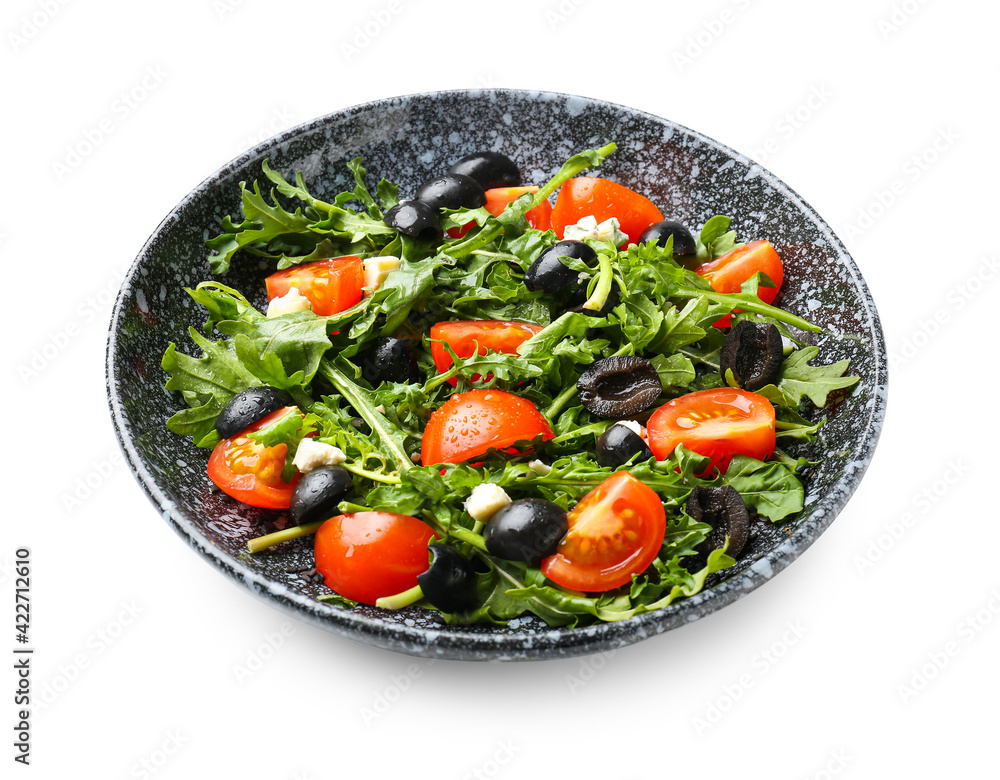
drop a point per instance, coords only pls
(485, 500)
(540, 468)
(312, 454)
(291, 301)
(587, 227)
(377, 268)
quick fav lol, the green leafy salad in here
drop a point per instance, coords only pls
(488, 419)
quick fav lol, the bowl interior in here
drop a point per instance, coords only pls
(407, 139)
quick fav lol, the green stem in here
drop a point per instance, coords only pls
(400, 600)
(756, 306)
(377, 422)
(605, 278)
(467, 536)
(263, 542)
(376, 476)
(559, 403)
(500, 255)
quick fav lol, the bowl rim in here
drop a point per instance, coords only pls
(443, 642)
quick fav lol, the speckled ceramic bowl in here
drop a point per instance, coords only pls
(408, 139)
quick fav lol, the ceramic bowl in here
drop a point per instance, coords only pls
(407, 139)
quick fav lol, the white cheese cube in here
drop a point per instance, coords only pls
(587, 227)
(291, 301)
(541, 469)
(313, 454)
(485, 500)
(377, 268)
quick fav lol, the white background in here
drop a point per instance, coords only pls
(873, 656)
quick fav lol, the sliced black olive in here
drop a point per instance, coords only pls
(724, 510)
(389, 360)
(247, 407)
(547, 272)
(619, 444)
(318, 493)
(414, 219)
(754, 353)
(525, 530)
(490, 169)
(619, 386)
(451, 191)
(449, 584)
(660, 231)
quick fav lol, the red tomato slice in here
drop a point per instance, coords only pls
(330, 285)
(251, 472)
(615, 532)
(728, 273)
(463, 336)
(468, 424)
(718, 423)
(603, 199)
(368, 555)
(497, 199)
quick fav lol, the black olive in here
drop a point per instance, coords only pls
(318, 493)
(389, 360)
(547, 272)
(724, 510)
(247, 407)
(525, 530)
(660, 231)
(754, 353)
(450, 582)
(619, 386)
(490, 169)
(618, 445)
(451, 191)
(414, 219)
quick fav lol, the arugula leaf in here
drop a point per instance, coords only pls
(798, 378)
(770, 488)
(283, 352)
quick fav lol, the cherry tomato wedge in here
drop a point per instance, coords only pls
(718, 423)
(497, 199)
(727, 273)
(330, 285)
(468, 424)
(365, 556)
(585, 196)
(463, 336)
(615, 532)
(251, 472)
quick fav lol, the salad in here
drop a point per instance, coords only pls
(490, 405)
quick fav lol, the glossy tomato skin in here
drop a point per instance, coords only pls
(251, 472)
(727, 273)
(468, 424)
(585, 196)
(718, 423)
(365, 556)
(497, 199)
(614, 533)
(330, 285)
(463, 336)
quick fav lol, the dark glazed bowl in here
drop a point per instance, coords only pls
(408, 139)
